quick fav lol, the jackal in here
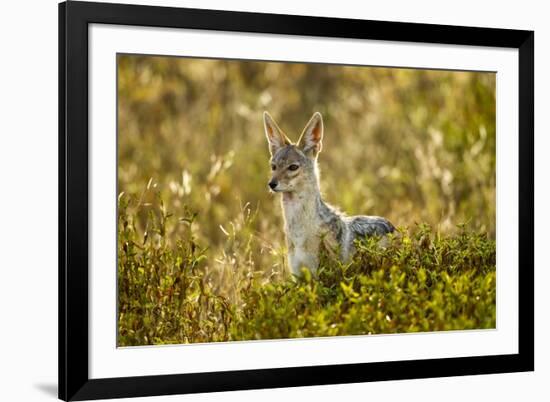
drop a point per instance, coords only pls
(309, 221)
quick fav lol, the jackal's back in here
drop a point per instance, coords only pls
(363, 225)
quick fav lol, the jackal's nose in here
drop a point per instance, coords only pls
(272, 184)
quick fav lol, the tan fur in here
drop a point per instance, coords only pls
(308, 219)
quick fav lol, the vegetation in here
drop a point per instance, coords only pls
(419, 281)
(201, 250)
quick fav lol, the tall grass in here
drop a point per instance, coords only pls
(420, 281)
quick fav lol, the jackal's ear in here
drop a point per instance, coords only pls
(275, 136)
(312, 137)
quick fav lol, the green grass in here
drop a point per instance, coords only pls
(169, 293)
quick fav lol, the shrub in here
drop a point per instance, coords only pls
(170, 292)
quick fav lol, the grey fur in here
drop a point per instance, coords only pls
(363, 225)
(360, 226)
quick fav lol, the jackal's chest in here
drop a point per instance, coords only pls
(304, 227)
(305, 231)
(301, 227)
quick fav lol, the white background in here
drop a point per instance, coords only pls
(28, 201)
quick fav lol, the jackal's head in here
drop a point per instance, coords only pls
(294, 165)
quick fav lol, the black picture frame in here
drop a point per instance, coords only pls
(74, 18)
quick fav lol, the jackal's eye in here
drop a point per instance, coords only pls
(273, 167)
(293, 167)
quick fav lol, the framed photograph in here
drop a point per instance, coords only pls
(257, 201)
